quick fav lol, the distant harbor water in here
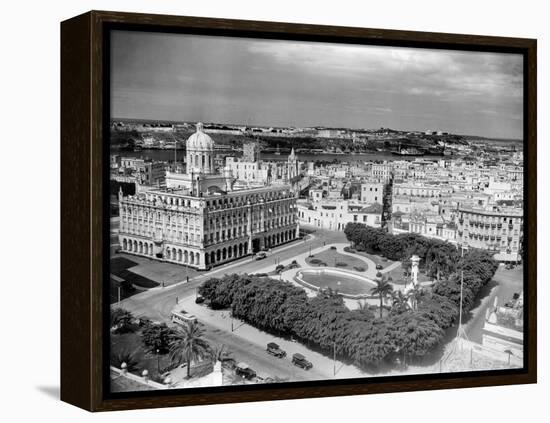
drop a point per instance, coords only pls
(168, 156)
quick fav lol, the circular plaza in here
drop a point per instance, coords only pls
(348, 284)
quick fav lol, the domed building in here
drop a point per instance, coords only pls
(200, 152)
(199, 220)
(200, 177)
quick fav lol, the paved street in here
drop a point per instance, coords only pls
(256, 356)
(323, 365)
(248, 343)
(157, 303)
(504, 284)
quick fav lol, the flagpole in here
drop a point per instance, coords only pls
(460, 332)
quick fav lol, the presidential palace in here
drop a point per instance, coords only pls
(200, 219)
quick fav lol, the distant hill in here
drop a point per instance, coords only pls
(495, 140)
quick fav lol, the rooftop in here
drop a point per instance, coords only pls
(372, 208)
(493, 210)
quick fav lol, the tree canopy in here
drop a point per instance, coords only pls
(365, 337)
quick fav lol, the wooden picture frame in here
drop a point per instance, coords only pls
(83, 208)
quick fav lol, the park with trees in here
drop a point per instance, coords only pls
(412, 327)
(142, 344)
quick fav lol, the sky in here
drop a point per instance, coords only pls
(293, 83)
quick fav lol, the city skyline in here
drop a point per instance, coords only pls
(220, 79)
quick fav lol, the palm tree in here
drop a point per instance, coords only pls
(383, 289)
(127, 357)
(415, 295)
(438, 262)
(187, 344)
(362, 305)
(400, 302)
(121, 320)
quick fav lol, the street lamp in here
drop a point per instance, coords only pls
(460, 331)
(334, 357)
(158, 361)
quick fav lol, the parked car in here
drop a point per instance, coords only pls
(300, 361)
(274, 349)
(379, 267)
(261, 255)
(199, 299)
(244, 371)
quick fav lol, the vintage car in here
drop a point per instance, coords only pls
(274, 349)
(300, 361)
(244, 371)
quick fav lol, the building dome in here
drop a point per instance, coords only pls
(199, 140)
(200, 152)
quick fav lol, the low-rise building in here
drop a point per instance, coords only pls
(143, 171)
(335, 215)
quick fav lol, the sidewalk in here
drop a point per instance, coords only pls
(221, 319)
(301, 260)
(216, 272)
(370, 273)
(323, 365)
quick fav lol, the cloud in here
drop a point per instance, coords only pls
(414, 71)
(280, 83)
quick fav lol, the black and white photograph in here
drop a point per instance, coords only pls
(285, 211)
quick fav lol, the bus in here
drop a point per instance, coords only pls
(182, 317)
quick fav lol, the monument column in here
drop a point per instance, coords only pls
(415, 260)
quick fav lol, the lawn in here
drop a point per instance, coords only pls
(397, 273)
(341, 283)
(334, 259)
(156, 365)
(379, 260)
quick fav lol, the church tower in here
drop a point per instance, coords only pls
(292, 165)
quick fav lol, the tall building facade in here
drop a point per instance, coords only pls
(199, 221)
(498, 229)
